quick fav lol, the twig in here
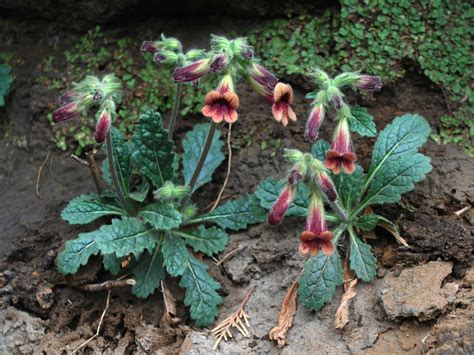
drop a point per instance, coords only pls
(462, 210)
(79, 160)
(98, 327)
(229, 166)
(107, 285)
(222, 330)
(231, 254)
(99, 184)
(38, 176)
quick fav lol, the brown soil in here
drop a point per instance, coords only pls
(59, 317)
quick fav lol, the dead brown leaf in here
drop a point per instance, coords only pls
(389, 227)
(285, 318)
(342, 313)
(169, 315)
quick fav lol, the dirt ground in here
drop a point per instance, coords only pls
(401, 312)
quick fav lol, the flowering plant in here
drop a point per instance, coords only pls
(329, 176)
(146, 200)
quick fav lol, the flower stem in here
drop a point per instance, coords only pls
(113, 172)
(174, 111)
(202, 159)
(339, 211)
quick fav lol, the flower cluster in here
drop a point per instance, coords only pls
(316, 235)
(86, 94)
(233, 59)
(341, 155)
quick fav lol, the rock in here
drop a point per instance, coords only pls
(20, 333)
(417, 292)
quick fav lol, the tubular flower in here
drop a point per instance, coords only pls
(67, 112)
(337, 101)
(282, 99)
(326, 185)
(103, 126)
(219, 63)
(192, 71)
(340, 154)
(369, 83)
(316, 237)
(281, 205)
(222, 104)
(315, 119)
(262, 81)
(67, 97)
(149, 46)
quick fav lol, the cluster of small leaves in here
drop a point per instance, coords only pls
(395, 167)
(377, 36)
(147, 85)
(5, 77)
(157, 233)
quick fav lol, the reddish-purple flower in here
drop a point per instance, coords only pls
(315, 119)
(149, 46)
(282, 99)
(369, 83)
(316, 237)
(192, 71)
(326, 185)
(337, 101)
(294, 176)
(66, 112)
(281, 205)
(262, 81)
(222, 104)
(67, 97)
(219, 63)
(340, 154)
(103, 126)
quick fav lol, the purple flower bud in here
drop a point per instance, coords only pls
(369, 83)
(294, 176)
(97, 97)
(103, 126)
(67, 112)
(67, 97)
(337, 101)
(281, 205)
(219, 63)
(315, 119)
(159, 58)
(149, 46)
(247, 53)
(192, 71)
(327, 186)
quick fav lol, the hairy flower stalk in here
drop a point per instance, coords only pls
(221, 104)
(174, 110)
(282, 204)
(316, 237)
(282, 99)
(340, 155)
(314, 122)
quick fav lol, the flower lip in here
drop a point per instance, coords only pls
(335, 160)
(311, 243)
(221, 106)
(282, 99)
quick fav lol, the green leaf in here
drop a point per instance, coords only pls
(126, 236)
(153, 154)
(142, 191)
(367, 222)
(362, 122)
(111, 263)
(175, 254)
(201, 295)
(122, 158)
(161, 215)
(396, 166)
(349, 186)
(237, 214)
(86, 208)
(268, 191)
(322, 274)
(193, 144)
(206, 240)
(148, 273)
(319, 149)
(77, 252)
(361, 259)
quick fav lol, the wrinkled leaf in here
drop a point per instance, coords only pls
(362, 261)
(349, 186)
(161, 215)
(111, 263)
(367, 222)
(86, 208)
(175, 254)
(148, 273)
(319, 149)
(122, 151)
(205, 240)
(362, 122)
(76, 252)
